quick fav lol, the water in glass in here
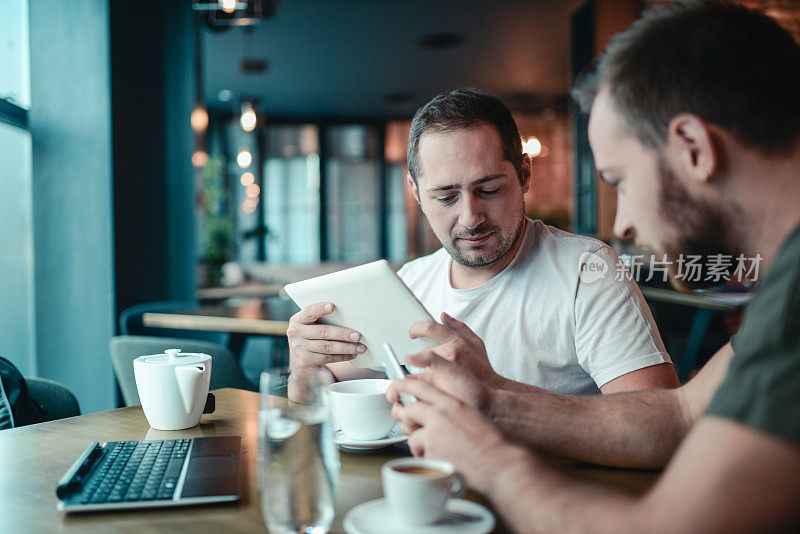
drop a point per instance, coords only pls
(299, 462)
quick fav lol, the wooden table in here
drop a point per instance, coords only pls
(33, 459)
(713, 301)
(249, 289)
(268, 316)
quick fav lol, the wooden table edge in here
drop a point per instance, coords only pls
(670, 296)
(217, 324)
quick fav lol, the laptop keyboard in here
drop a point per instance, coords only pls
(135, 471)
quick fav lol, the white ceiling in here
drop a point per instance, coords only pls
(340, 59)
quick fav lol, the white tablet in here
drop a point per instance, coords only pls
(373, 300)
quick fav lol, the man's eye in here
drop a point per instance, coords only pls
(447, 199)
(489, 192)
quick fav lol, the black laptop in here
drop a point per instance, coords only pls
(145, 474)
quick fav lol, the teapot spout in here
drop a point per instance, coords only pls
(189, 377)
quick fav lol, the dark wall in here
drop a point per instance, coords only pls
(152, 78)
(70, 120)
(584, 214)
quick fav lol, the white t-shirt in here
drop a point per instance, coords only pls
(543, 320)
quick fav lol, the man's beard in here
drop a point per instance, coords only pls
(703, 229)
(504, 245)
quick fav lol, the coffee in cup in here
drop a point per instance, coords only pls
(360, 408)
(420, 470)
(418, 488)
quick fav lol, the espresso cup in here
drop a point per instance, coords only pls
(360, 408)
(418, 488)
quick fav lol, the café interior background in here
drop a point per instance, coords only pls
(129, 176)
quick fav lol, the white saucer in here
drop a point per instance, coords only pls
(395, 436)
(464, 517)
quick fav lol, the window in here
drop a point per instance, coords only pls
(291, 194)
(314, 192)
(14, 63)
(16, 193)
(352, 183)
(397, 245)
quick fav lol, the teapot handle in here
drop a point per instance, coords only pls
(211, 404)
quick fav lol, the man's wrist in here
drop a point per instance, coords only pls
(497, 382)
(497, 403)
(300, 374)
(513, 463)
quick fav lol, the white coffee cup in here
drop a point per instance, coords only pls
(418, 488)
(360, 408)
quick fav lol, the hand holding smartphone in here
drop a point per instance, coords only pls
(395, 371)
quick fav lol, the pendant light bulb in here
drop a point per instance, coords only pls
(199, 118)
(248, 119)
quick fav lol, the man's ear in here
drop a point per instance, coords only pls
(412, 185)
(526, 173)
(690, 140)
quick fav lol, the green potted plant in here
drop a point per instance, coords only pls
(218, 227)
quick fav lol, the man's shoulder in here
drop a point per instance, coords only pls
(422, 265)
(772, 317)
(566, 245)
(763, 378)
(576, 258)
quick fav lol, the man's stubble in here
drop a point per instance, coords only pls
(504, 245)
(701, 229)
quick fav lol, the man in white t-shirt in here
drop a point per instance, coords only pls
(542, 300)
(542, 322)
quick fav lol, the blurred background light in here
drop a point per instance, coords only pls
(244, 158)
(248, 119)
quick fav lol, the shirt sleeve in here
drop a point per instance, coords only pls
(615, 332)
(403, 271)
(762, 385)
(768, 401)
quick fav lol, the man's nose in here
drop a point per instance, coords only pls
(472, 212)
(623, 226)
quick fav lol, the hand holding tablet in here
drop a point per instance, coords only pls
(369, 299)
(314, 344)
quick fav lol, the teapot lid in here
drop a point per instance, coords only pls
(175, 357)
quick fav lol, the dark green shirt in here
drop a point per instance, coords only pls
(762, 387)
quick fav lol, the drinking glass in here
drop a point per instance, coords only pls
(298, 459)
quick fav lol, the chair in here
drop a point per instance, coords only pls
(55, 399)
(225, 371)
(131, 324)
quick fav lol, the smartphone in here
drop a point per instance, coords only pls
(395, 371)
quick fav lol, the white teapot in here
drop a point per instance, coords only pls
(173, 387)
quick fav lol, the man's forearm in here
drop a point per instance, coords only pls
(532, 497)
(716, 489)
(639, 429)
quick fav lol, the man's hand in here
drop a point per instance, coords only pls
(449, 429)
(458, 366)
(455, 381)
(314, 345)
(458, 344)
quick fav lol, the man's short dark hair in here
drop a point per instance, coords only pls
(460, 109)
(732, 66)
